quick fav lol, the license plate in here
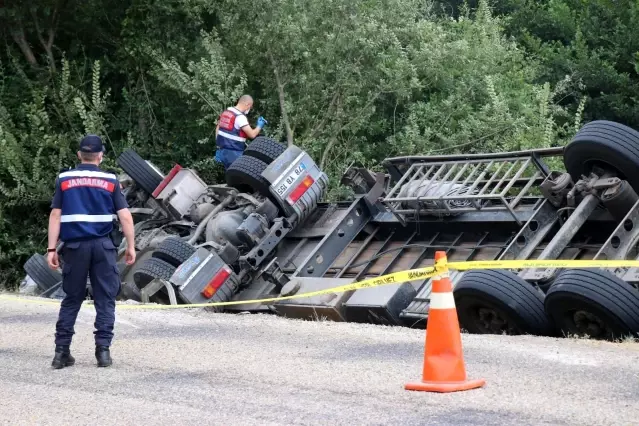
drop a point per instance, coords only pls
(287, 182)
(185, 273)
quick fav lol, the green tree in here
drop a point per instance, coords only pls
(38, 138)
(479, 92)
(347, 81)
(323, 71)
(595, 41)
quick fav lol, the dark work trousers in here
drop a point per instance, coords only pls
(96, 259)
(227, 156)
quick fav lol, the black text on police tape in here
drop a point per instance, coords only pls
(379, 281)
(413, 275)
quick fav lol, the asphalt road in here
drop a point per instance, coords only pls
(188, 367)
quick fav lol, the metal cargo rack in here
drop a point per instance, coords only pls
(455, 185)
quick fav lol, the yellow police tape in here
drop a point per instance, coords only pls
(394, 278)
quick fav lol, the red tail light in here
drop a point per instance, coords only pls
(218, 280)
(297, 193)
(174, 171)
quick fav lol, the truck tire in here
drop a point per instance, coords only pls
(497, 301)
(174, 251)
(593, 302)
(38, 269)
(245, 175)
(265, 149)
(145, 176)
(606, 143)
(152, 268)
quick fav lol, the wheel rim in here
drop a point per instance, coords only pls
(489, 320)
(587, 323)
(592, 164)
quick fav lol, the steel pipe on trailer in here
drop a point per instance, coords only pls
(336, 240)
(570, 228)
(545, 152)
(563, 237)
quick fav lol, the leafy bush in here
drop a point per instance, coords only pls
(38, 137)
(349, 81)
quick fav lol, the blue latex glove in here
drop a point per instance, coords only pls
(261, 122)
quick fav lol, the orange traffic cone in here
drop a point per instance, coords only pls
(444, 369)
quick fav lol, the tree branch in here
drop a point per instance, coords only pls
(37, 26)
(48, 44)
(364, 108)
(326, 115)
(18, 36)
(474, 141)
(280, 91)
(330, 144)
(54, 23)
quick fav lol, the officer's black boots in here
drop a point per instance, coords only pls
(103, 356)
(62, 357)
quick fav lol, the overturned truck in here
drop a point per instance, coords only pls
(266, 233)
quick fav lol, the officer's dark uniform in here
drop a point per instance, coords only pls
(88, 198)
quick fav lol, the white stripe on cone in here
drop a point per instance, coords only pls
(442, 301)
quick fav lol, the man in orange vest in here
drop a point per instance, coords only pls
(233, 129)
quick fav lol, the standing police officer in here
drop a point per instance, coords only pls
(83, 206)
(232, 130)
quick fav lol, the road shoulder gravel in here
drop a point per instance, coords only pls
(178, 367)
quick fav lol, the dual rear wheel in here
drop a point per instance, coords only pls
(580, 302)
(245, 174)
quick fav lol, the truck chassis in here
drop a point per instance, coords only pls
(266, 233)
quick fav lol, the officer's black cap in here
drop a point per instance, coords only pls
(91, 143)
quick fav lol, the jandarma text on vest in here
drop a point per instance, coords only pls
(87, 182)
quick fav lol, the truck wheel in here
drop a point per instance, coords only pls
(498, 302)
(607, 144)
(245, 175)
(147, 177)
(36, 267)
(265, 149)
(151, 269)
(174, 251)
(595, 303)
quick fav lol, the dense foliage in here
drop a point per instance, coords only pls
(350, 81)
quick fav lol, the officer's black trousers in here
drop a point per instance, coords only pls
(96, 259)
